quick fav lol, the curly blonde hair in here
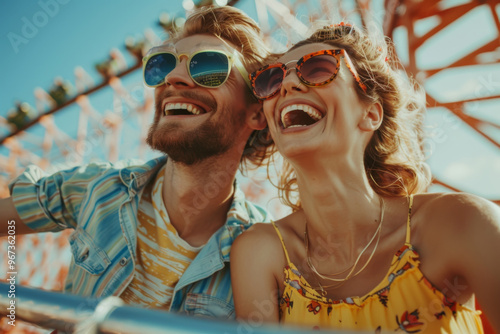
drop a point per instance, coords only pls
(393, 159)
(234, 26)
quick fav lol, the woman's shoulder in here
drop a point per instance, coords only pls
(453, 218)
(259, 238)
(259, 231)
(458, 238)
(273, 231)
(265, 240)
(259, 249)
(454, 208)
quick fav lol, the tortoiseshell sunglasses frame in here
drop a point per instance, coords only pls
(337, 53)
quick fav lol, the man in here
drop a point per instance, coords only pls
(159, 234)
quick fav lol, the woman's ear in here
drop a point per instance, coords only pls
(255, 116)
(372, 119)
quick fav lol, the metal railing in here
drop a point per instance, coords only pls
(74, 314)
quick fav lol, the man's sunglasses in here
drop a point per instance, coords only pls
(314, 69)
(207, 68)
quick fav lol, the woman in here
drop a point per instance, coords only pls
(365, 247)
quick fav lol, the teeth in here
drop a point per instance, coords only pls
(313, 112)
(189, 107)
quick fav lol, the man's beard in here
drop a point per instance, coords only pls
(210, 139)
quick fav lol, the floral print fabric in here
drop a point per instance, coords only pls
(404, 301)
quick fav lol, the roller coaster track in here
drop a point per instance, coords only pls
(282, 21)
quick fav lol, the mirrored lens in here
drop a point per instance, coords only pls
(268, 82)
(158, 67)
(319, 69)
(209, 69)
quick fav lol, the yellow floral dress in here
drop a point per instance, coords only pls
(404, 301)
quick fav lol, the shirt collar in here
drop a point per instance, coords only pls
(136, 177)
(238, 220)
(240, 216)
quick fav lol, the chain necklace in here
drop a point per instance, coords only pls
(341, 281)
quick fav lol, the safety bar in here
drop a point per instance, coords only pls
(75, 314)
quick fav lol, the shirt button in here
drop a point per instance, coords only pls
(123, 261)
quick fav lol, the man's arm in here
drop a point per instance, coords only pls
(9, 217)
(48, 203)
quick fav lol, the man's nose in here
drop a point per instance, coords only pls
(179, 76)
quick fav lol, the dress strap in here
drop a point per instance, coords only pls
(408, 222)
(282, 242)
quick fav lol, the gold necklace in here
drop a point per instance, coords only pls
(341, 281)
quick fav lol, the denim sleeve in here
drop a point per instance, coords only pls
(258, 214)
(266, 215)
(52, 202)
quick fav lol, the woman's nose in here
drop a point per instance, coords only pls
(292, 82)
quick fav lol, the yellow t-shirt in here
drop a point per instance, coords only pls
(162, 256)
(404, 301)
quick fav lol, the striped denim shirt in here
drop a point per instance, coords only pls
(100, 201)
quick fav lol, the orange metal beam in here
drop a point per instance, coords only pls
(469, 59)
(448, 16)
(457, 109)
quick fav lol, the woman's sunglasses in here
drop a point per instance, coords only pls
(207, 68)
(314, 69)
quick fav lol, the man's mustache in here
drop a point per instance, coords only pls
(209, 102)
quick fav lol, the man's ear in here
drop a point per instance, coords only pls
(255, 116)
(372, 118)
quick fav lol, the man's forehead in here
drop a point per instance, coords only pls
(195, 43)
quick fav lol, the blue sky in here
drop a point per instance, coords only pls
(41, 40)
(79, 33)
